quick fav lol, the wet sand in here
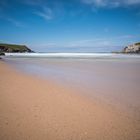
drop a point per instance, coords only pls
(32, 108)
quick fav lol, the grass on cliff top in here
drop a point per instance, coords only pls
(15, 47)
(12, 45)
(137, 43)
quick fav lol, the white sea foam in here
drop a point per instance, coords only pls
(73, 55)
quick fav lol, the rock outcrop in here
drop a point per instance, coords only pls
(134, 48)
(11, 48)
(1, 54)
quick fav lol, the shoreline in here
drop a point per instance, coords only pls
(77, 55)
(32, 108)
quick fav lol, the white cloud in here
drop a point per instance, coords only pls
(91, 42)
(130, 2)
(15, 22)
(46, 13)
(12, 21)
(104, 42)
(111, 3)
(126, 36)
(98, 3)
(32, 2)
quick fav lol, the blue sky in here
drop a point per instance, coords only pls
(70, 25)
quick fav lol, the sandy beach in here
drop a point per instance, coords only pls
(32, 108)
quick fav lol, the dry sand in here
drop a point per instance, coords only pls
(36, 109)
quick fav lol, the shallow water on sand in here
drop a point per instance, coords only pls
(115, 81)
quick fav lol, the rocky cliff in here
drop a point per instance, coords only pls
(134, 48)
(14, 48)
